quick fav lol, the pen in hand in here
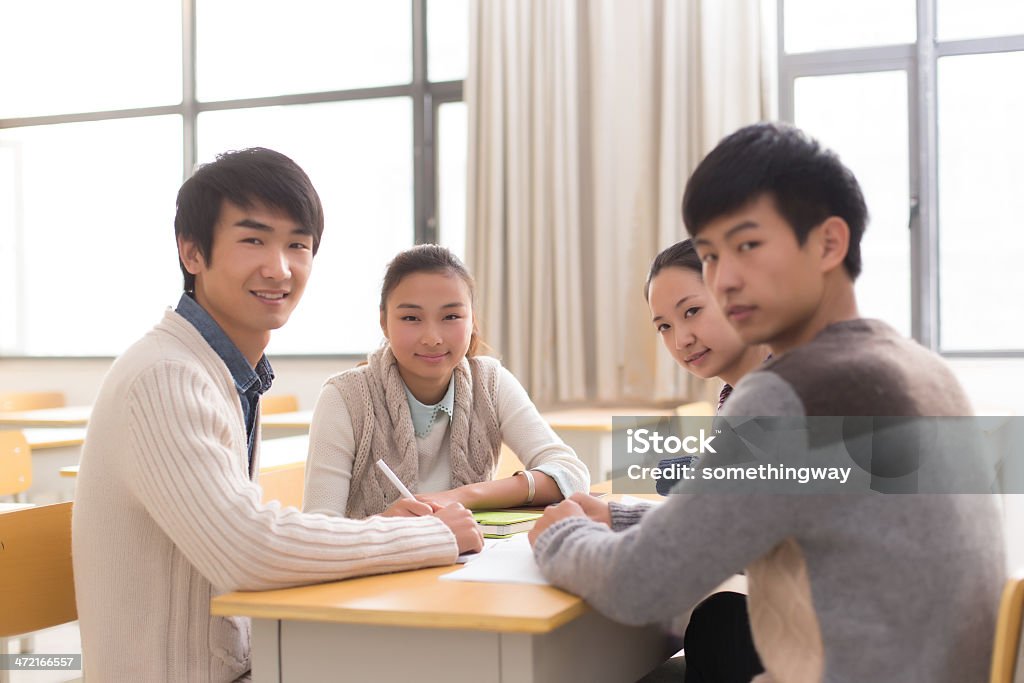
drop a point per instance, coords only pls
(393, 478)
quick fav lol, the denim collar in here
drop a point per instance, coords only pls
(247, 380)
(423, 416)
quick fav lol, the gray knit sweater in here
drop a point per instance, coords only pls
(901, 588)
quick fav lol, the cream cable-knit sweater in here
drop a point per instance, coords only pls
(166, 517)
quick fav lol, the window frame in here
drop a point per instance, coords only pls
(426, 96)
(920, 62)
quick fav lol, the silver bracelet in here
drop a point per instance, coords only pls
(530, 482)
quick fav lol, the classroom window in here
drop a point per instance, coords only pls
(359, 94)
(925, 110)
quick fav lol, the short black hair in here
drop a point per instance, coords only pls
(244, 177)
(679, 255)
(807, 181)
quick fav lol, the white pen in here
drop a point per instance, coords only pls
(394, 479)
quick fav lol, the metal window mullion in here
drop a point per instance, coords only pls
(924, 238)
(189, 114)
(425, 226)
(979, 46)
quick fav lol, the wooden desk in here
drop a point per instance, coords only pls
(70, 416)
(589, 432)
(286, 424)
(413, 627)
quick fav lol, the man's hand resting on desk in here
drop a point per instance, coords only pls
(594, 508)
(466, 530)
(555, 513)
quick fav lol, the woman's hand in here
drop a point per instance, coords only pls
(442, 499)
(408, 507)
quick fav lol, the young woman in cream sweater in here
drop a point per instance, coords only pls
(432, 409)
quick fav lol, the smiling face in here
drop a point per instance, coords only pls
(428, 321)
(771, 289)
(255, 275)
(692, 327)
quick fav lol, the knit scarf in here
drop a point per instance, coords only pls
(383, 429)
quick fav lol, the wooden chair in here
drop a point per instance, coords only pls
(282, 403)
(1008, 628)
(15, 464)
(37, 588)
(34, 400)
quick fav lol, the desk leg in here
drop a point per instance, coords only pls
(592, 648)
(266, 650)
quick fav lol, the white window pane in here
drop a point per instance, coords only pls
(447, 39)
(359, 157)
(88, 56)
(812, 25)
(873, 143)
(981, 202)
(96, 232)
(959, 19)
(451, 166)
(256, 48)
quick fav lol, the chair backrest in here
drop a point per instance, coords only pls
(15, 463)
(283, 403)
(31, 400)
(37, 588)
(1008, 627)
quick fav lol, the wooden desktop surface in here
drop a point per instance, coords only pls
(414, 599)
(70, 416)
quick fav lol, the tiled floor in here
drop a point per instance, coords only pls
(61, 640)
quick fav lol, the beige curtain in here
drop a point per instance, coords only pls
(585, 119)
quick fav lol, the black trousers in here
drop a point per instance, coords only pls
(718, 644)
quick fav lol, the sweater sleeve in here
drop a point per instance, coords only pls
(332, 452)
(185, 474)
(661, 567)
(531, 438)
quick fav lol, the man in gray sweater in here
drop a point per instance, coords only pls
(843, 587)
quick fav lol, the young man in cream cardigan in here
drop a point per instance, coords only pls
(167, 510)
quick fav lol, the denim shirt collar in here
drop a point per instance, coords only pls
(247, 380)
(424, 416)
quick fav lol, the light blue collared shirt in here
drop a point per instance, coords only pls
(424, 416)
(250, 383)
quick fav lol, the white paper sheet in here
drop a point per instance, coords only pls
(508, 562)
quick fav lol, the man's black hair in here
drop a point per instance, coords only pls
(807, 182)
(243, 178)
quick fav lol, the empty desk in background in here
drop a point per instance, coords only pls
(588, 431)
(52, 449)
(413, 627)
(286, 424)
(69, 416)
(282, 469)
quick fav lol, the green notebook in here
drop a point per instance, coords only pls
(504, 523)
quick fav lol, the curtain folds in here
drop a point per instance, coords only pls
(585, 119)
